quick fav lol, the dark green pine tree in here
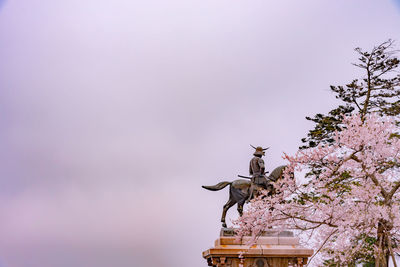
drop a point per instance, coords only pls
(378, 91)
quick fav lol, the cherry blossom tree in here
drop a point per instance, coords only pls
(348, 208)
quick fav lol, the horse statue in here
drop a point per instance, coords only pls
(239, 191)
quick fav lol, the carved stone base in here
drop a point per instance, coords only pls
(272, 249)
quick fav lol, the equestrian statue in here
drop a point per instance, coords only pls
(242, 191)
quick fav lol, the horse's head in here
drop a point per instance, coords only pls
(275, 175)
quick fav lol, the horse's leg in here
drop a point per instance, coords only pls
(240, 209)
(227, 206)
(240, 202)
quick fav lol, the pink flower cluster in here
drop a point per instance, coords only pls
(355, 187)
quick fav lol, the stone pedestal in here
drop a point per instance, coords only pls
(272, 249)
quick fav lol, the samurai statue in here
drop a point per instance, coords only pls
(257, 171)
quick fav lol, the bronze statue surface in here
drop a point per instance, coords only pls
(241, 190)
(257, 170)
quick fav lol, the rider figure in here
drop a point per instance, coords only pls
(257, 170)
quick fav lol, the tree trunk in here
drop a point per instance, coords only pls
(383, 255)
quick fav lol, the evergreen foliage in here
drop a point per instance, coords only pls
(377, 91)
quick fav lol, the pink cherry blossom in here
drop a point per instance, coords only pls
(356, 190)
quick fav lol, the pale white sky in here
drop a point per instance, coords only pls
(114, 113)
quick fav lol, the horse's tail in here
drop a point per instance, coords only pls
(216, 187)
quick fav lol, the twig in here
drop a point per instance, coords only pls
(326, 240)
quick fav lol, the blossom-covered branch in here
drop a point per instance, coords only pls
(353, 197)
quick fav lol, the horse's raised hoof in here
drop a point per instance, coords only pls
(224, 225)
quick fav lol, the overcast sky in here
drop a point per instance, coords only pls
(114, 113)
